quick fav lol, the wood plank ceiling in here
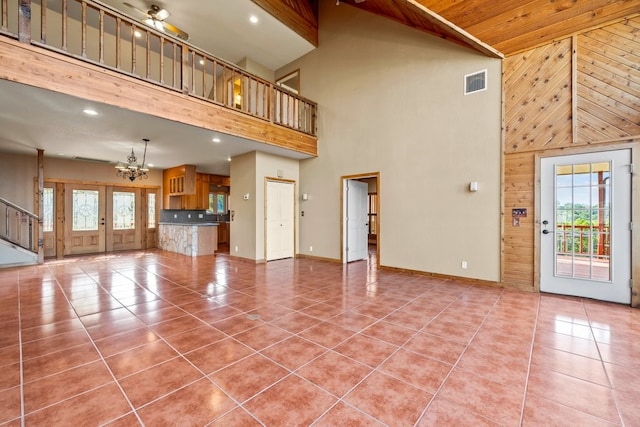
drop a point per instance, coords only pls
(506, 26)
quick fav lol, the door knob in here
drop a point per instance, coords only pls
(545, 231)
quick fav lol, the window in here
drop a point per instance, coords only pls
(85, 210)
(47, 205)
(218, 203)
(124, 210)
(151, 210)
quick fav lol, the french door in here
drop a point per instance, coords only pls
(585, 212)
(102, 218)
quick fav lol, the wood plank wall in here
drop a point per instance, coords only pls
(576, 92)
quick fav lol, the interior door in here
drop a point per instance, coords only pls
(280, 220)
(124, 223)
(357, 220)
(585, 240)
(85, 214)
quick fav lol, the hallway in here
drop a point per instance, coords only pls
(158, 338)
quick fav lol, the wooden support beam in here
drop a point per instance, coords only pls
(40, 212)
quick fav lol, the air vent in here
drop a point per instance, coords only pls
(88, 159)
(475, 82)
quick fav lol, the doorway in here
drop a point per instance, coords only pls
(585, 236)
(360, 225)
(279, 219)
(95, 218)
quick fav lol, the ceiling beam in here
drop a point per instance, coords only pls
(301, 16)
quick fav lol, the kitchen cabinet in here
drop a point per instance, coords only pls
(223, 232)
(184, 188)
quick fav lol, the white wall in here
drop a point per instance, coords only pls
(390, 100)
(248, 175)
(18, 174)
(242, 231)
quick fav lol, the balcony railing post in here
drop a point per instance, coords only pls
(185, 69)
(24, 21)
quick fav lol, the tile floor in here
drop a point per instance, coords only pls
(158, 339)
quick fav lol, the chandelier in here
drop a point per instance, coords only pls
(131, 169)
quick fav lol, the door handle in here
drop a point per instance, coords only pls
(545, 232)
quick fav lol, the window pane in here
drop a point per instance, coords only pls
(47, 204)
(151, 210)
(220, 204)
(582, 221)
(85, 210)
(124, 209)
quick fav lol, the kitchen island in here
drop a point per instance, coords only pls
(191, 239)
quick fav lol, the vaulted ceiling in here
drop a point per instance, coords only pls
(505, 26)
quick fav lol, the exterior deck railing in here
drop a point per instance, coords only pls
(93, 32)
(583, 239)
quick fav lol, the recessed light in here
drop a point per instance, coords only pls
(90, 112)
(229, 159)
(216, 139)
(253, 19)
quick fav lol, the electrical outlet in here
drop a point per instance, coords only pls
(175, 216)
(310, 248)
(200, 216)
(188, 215)
(464, 264)
(236, 249)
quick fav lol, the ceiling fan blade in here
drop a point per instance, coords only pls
(175, 30)
(140, 11)
(161, 14)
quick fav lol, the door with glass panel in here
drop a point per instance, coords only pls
(585, 213)
(85, 219)
(124, 219)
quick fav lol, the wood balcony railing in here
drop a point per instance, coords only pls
(93, 32)
(18, 226)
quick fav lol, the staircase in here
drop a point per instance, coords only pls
(18, 239)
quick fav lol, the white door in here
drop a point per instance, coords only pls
(356, 220)
(585, 212)
(279, 220)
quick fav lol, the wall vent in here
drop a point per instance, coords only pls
(89, 159)
(475, 82)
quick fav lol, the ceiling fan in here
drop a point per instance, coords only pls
(155, 17)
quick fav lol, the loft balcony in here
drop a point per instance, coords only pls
(89, 50)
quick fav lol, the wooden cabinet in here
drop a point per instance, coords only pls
(223, 232)
(184, 188)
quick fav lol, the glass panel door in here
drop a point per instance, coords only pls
(84, 233)
(585, 214)
(124, 215)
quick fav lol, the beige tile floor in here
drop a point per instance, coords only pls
(157, 339)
